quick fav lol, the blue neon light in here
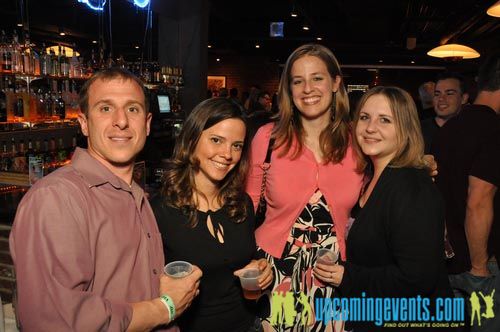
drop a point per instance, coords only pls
(141, 3)
(99, 6)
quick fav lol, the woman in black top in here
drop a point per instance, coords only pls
(395, 246)
(206, 218)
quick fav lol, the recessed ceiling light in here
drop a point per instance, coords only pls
(19, 24)
(94, 42)
(137, 47)
(218, 59)
(257, 46)
(209, 46)
(319, 38)
(380, 60)
(412, 61)
(305, 27)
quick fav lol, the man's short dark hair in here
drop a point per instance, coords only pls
(488, 78)
(453, 75)
(109, 74)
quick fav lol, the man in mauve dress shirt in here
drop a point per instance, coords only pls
(85, 243)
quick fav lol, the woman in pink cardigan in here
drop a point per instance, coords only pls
(311, 186)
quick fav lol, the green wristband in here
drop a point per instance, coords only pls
(169, 303)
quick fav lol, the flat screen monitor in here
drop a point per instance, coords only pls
(164, 104)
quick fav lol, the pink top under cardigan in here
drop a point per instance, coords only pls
(290, 184)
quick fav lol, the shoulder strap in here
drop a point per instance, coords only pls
(269, 151)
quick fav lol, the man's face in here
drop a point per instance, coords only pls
(117, 122)
(448, 98)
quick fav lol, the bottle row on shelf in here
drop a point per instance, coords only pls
(61, 61)
(18, 103)
(34, 160)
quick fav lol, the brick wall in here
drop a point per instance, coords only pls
(243, 72)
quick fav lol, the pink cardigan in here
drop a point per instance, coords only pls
(290, 184)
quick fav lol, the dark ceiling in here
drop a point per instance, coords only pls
(359, 32)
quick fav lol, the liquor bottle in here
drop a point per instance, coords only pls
(60, 107)
(48, 106)
(38, 150)
(19, 109)
(64, 63)
(27, 55)
(3, 45)
(21, 165)
(3, 106)
(13, 154)
(17, 62)
(45, 62)
(74, 65)
(72, 149)
(5, 159)
(30, 152)
(54, 64)
(62, 154)
(7, 55)
(52, 156)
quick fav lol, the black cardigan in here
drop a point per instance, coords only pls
(395, 247)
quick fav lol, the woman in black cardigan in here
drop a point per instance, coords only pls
(395, 246)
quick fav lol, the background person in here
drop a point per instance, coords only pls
(206, 218)
(395, 245)
(312, 182)
(449, 97)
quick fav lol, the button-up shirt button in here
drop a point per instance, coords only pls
(154, 271)
(149, 235)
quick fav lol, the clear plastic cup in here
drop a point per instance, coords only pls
(249, 279)
(178, 269)
(326, 256)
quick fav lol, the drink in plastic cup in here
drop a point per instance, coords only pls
(178, 269)
(249, 279)
(326, 256)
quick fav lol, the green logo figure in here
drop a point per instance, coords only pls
(476, 307)
(283, 309)
(488, 300)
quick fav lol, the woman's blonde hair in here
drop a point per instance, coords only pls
(410, 145)
(334, 139)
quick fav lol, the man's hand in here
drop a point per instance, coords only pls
(181, 290)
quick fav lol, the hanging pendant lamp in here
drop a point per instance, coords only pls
(455, 51)
(494, 10)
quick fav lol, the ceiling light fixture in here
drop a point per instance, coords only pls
(99, 7)
(454, 51)
(141, 3)
(319, 38)
(61, 32)
(494, 10)
(305, 26)
(257, 46)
